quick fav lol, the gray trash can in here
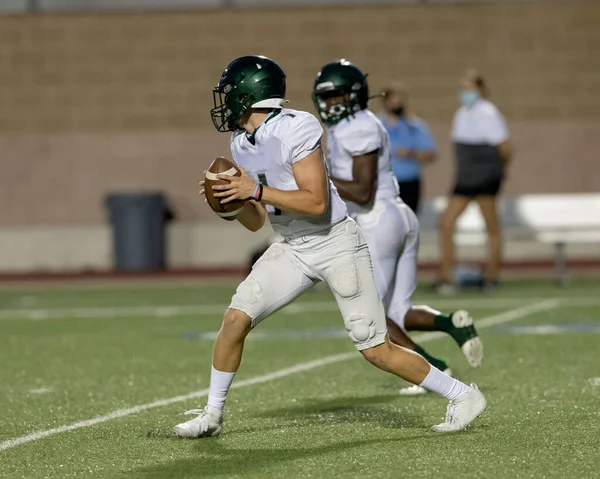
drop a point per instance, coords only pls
(138, 228)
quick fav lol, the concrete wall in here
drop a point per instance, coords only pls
(97, 103)
(212, 245)
(89, 248)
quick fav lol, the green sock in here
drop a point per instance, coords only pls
(438, 363)
(443, 322)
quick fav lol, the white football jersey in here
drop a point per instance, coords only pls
(285, 137)
(357, 135)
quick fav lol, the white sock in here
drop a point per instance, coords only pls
(220, 383)
(441, 383)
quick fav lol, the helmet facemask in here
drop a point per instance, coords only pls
(229, 107)
(340, 91)
(332, 112)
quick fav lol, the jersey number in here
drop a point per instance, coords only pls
(262, 177)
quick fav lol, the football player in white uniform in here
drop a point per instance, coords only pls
(284, 175)
(361, 169)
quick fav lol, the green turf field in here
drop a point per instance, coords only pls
(93, 379)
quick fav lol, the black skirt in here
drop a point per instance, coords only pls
(479, 170)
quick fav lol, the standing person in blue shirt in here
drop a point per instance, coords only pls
(412, 144)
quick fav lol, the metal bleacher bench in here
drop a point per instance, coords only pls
(556, 219)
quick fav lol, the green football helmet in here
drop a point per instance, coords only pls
(248, 82)
(344, 80)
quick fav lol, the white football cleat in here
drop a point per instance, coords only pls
(463, 411)
(416, 390)
(465, 334)
(208, 423)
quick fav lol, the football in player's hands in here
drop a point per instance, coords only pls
(222, 166)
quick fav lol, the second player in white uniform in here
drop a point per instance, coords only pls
(360, 166)
(284, 175)
(387, 223)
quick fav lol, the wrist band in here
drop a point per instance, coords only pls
(257, 193)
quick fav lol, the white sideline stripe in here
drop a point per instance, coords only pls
(111, 312)
(159, 311)
(505, 317)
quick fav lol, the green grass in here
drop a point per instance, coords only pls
(340, 420)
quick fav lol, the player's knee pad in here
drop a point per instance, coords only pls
(361, 328)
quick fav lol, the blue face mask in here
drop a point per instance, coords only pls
(468, 97)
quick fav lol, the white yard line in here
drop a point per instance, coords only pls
(519, 313)
(298, 368)
(41, 391)
(505, 317)
(161, 311)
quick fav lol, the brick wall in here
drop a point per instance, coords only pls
(92, 103)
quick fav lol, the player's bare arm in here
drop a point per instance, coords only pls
(311, 196)
(253, 215)
(309, 199)
(361, 188)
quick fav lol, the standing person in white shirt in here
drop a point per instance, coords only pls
(360, 159)
(482, 152)
(284, 175)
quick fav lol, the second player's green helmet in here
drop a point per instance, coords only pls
(340, 79)
(248, 82)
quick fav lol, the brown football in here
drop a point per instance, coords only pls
(222, 166)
